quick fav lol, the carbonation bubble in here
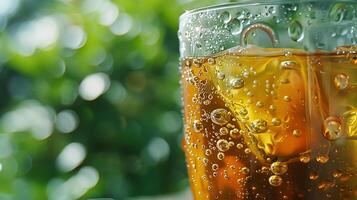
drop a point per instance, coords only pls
(226, 17)
(333, 128)
(236, 83)
(322, 159)
(341, 11)
(247, 151)
(211, 61)
(305, 158)
(259, 104)
(220, 116)
(295, 31)
(279, 168)
(296, 133)
(313, 175)
(288, 64)
(287, 98)
(215, 167)
(245, 170)
(259, 126)
(234, 133)
(236, 26)
(223, 131)
(240, 146)
(337, 173)
(197, 126)
(208, 152)
(220, 156)
(276, 121)
(275, 180)
(341, 81)
(223, 145)
(243, 111)
(220, 75)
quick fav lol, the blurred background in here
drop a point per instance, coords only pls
(90, 101)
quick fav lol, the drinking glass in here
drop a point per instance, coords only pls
(270, 99)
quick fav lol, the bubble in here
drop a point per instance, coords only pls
(223, 131)
(208, 152)
(341, 11)
(259, 104)
(265, 169)
(313, 175)
(211, 61)
(223, 145)
(337, 173)
(259, 126)
(295, 31)
(236, 26)
(220, 156)
(284, 81)
(275, 180)
(305, 158)
(197, 126)
(236, 83)
(341, 81)
(322, 159)
(243, 111)
(239, 146)
(279, 168)
(220, 116)
(221, 75)
(287, 98)
(226, 17)
(215, 167)
(333, 128)
(245, 170)
(247, 151)
(234, 133)
(276, 121)
(288, 64)
(296, 133)
(271, 10)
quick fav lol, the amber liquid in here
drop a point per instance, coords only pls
(271, 124)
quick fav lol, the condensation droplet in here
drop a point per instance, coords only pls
(296, 31)
(341, 11)
(279, 168)
(223, 145)
(197, 126)
(322, 159)
(259, 126)
(275, 180)
(341, 81)
(333, 128)
(220, 116)
(236, 83)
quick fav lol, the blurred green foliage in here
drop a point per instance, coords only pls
(89, 98)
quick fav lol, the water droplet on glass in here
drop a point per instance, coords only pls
(271, 10)
(275, 180)
(259, 104)
(341, 11)
(223, 131)
(236, 26)
(279, 168)
(337, 173)
(236, 83)
(288, 64)
(259, 126)
(333, 128)
(295, 31)
(341, 81)
(223, 145)
(197, 126)
(220, 116)
(305, 158)
(322, 159)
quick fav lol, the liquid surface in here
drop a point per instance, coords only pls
(271, 124)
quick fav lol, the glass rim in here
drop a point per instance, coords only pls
(250, 3)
